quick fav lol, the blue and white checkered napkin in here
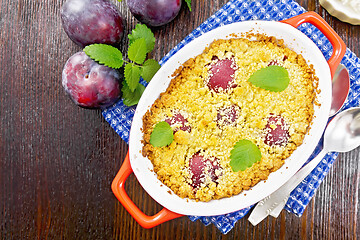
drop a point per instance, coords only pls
(119, 116)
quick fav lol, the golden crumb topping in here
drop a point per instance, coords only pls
(210, 105)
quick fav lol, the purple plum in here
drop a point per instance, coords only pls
(222, 75)
(179, 119)
(154, 12)
(92, 21)
(200, 167)
(89, 84)
(276, 131)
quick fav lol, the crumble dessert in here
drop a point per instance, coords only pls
(210, 105)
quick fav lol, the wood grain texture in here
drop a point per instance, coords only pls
(57, 160)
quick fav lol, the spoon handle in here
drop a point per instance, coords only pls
(300, 176)
(270, 203)
(304, 172)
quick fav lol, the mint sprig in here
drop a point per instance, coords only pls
(244, 154)
(105, 54)
(137, 51)
(273, 78)
(188, 2)
(142, 31)
(149, 68)
(131, 98)
(162, 135)
(141, 42)
(132, 75)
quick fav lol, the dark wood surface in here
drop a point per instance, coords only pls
(57, 160)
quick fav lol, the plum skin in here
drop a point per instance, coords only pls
(197, 167)
(221, 75)
(178, 118)
(92, 21)
(276, 131)
(227, 115)
(89, 84)
(154, 13)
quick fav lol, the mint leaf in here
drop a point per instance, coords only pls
(244, 154)
(131, 98)
(273, 78)
(132, 75)
(149, 69)
(105, 54)
(142, 31)
(162, 135)
(137, 51)
(188, 2)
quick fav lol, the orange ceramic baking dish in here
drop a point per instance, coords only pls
(175, 206)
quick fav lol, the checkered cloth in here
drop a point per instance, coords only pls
(119, 116)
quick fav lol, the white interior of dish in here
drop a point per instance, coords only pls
(142, 167)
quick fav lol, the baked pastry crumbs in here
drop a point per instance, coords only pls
(210, 106)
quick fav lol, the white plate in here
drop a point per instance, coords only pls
(294, 39)
(345, 10)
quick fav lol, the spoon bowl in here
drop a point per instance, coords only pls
(343, 132)
(340, 89)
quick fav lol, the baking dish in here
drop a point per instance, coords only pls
(175, 206)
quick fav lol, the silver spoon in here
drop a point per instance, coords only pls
(341, 135)
(340, 89)
(340, 92)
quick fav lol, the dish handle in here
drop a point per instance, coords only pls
(118, 188)
(339, 47)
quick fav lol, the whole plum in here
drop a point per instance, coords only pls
(92, 21)
(89, 84)
(154, 12)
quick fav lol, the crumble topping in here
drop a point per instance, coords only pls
(210, 106)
